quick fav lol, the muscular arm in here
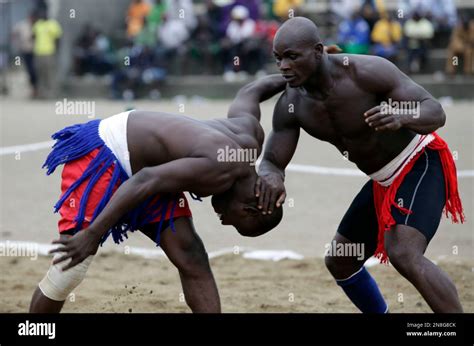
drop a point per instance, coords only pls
(384, 79)
(247, 101)
(279, 150)
(200, 175)
(282, 141)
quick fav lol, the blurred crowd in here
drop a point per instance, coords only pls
(234, 38)
(406, 35)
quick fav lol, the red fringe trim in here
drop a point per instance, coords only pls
(384, 197)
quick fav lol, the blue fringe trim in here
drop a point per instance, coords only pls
(75, 141)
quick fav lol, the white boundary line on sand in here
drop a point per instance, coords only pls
(292, 167)
(41, 249)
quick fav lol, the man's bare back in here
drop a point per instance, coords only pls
(155, 138)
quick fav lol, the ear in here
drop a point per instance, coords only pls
(318, 50)
(251, 210)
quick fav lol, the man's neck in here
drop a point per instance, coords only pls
(321, 82)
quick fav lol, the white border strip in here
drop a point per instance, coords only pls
(41, 249)
(25, 148)
(292, 167)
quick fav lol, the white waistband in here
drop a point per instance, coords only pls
(387, 174)
(113, 131)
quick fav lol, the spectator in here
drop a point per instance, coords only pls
(91, 53)
(173, 34)
(386, 37)
(253, 7)
(46, 35)
(369, 13)
(204, 45)
(245, 53)
(343, 9)
(461, 45)
(418, 31)
(354, 34)
(155, 17)
(23, 36)
(182, 10)
(148, 36)
(136, 13)
(281, 8)
(142, 71)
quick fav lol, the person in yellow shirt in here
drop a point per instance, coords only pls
(46, 33)
(386, 36)
(281, 8)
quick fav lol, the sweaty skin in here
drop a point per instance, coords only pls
(174, 153)
(336, 98)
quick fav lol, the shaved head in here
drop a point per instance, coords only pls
(298, 50)
(299, 31)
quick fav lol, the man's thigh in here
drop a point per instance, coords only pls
(423, 192)
(359, 224)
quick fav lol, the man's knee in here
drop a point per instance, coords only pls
(404, 259)
(58, 284)
(342, 267)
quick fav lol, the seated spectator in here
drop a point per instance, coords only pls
(244, 50)
(205, 46)
(354, 34)
(418, 32)
(386, 37)
(281, 8)
(182, 10)
(172, 36)
(137, 11)
(461, 45)
(92, 53)
(143, 71)
(253, 7)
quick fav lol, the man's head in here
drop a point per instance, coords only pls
(298, 50)
(238, 207)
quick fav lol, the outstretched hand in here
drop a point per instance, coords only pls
(78, 247)
(270, 191)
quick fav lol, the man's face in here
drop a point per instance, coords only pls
(234, 206)
(297, 62)
(238, 207)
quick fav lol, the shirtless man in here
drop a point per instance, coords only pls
(129, 171)
(339, 99)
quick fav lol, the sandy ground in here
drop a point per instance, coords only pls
(319, 202)
(114, 284)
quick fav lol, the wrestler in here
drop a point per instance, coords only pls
(351, 102)
(129, 172)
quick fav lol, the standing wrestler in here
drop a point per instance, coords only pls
(128, 172)
(347, 100)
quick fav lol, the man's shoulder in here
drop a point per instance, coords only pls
(366, 68)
